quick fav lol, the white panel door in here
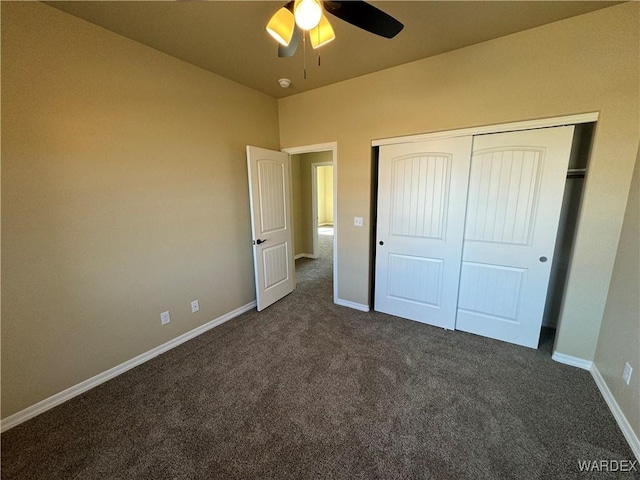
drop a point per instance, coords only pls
(516, 186)
(422, 190)
(269, 190)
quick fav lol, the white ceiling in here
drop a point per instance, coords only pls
(228, 37)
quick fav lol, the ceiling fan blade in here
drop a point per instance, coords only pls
(365, 16)
(289, 50)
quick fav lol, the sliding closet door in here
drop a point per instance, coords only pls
(516, 186)
(422, 190)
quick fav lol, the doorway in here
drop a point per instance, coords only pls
(321, 203)
(314, 205)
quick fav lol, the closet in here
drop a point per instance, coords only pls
(467, 227)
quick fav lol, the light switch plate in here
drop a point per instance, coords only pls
(358, 221)
(165, 318)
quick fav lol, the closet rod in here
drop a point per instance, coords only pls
(576, 172)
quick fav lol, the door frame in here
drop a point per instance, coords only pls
(314, 203)
(333, 148)
(495, 128)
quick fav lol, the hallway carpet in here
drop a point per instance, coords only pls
(310, 390)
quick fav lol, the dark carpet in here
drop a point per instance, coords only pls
(310, 390)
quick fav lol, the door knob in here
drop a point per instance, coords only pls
(381, 242)
(258, 241)
(543, 259)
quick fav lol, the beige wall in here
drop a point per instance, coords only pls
(124, 194)
(587, 63)
(619, 339)
(325, 195)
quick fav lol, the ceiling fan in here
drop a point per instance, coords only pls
(289, 23)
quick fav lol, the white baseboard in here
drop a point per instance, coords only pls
(55, 400)
(623, 423)
(573, 361)
(354, 305)
(304, 255)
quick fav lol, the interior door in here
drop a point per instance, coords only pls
(422, 190)
(516, 186)
(270, 194)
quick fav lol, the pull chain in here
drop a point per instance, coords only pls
(304, 48)
(318, 42)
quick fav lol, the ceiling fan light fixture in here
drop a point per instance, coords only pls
(307, 13)
(322, 34)
(281, 26)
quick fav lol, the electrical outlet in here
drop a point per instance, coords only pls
(626, 375)
(165, 318)
(195, 306)
(358, 221)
